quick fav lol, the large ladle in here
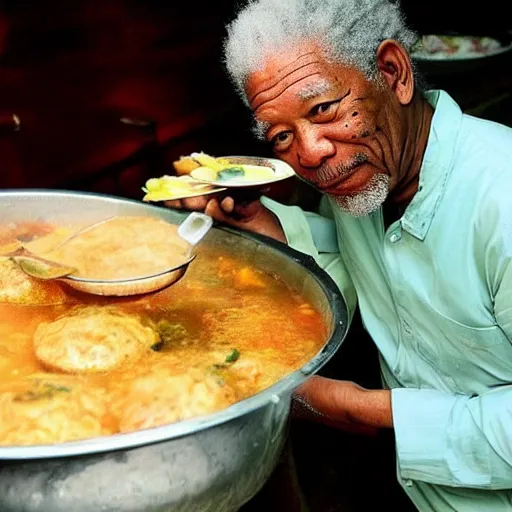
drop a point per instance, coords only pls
(192, 230)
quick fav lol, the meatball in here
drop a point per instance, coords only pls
(50, 409)
(160, 398)
(93, 339)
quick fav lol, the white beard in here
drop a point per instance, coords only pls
(368, 200)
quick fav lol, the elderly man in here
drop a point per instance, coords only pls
(415, 224)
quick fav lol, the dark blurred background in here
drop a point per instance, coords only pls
(108, 94)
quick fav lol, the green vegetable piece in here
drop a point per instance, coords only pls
(230, 172)
(41, 391)
(170, 332)
(232, 356)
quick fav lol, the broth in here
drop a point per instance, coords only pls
(77, 366)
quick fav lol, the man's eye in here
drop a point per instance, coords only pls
(324, 108)
(281, 141)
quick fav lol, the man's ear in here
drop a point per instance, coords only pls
(395, 66)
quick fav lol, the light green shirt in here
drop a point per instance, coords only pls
(435, 294)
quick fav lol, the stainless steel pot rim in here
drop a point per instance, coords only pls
(183, 428)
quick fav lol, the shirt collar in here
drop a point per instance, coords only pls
(436, 165)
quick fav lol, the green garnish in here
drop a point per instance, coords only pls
(230, 172)
(232, 356)
(60, 389)
(170, 332)
(45, 390)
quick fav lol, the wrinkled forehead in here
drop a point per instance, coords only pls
(304, 65)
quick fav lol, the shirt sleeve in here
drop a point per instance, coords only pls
(315, 234)
(465, 441)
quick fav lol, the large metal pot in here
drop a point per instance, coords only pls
(215, 463)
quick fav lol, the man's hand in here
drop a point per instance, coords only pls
(249, 215)
(344, 405)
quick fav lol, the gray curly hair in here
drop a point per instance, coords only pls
(349, 31)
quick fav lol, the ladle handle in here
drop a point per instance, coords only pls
(194, 227)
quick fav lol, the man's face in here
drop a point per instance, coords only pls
(340, 132)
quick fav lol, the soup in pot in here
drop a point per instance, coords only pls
(76, 366)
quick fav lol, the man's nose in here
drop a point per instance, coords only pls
(314, 149)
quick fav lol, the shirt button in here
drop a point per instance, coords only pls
(408, 483)
(395, 237)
